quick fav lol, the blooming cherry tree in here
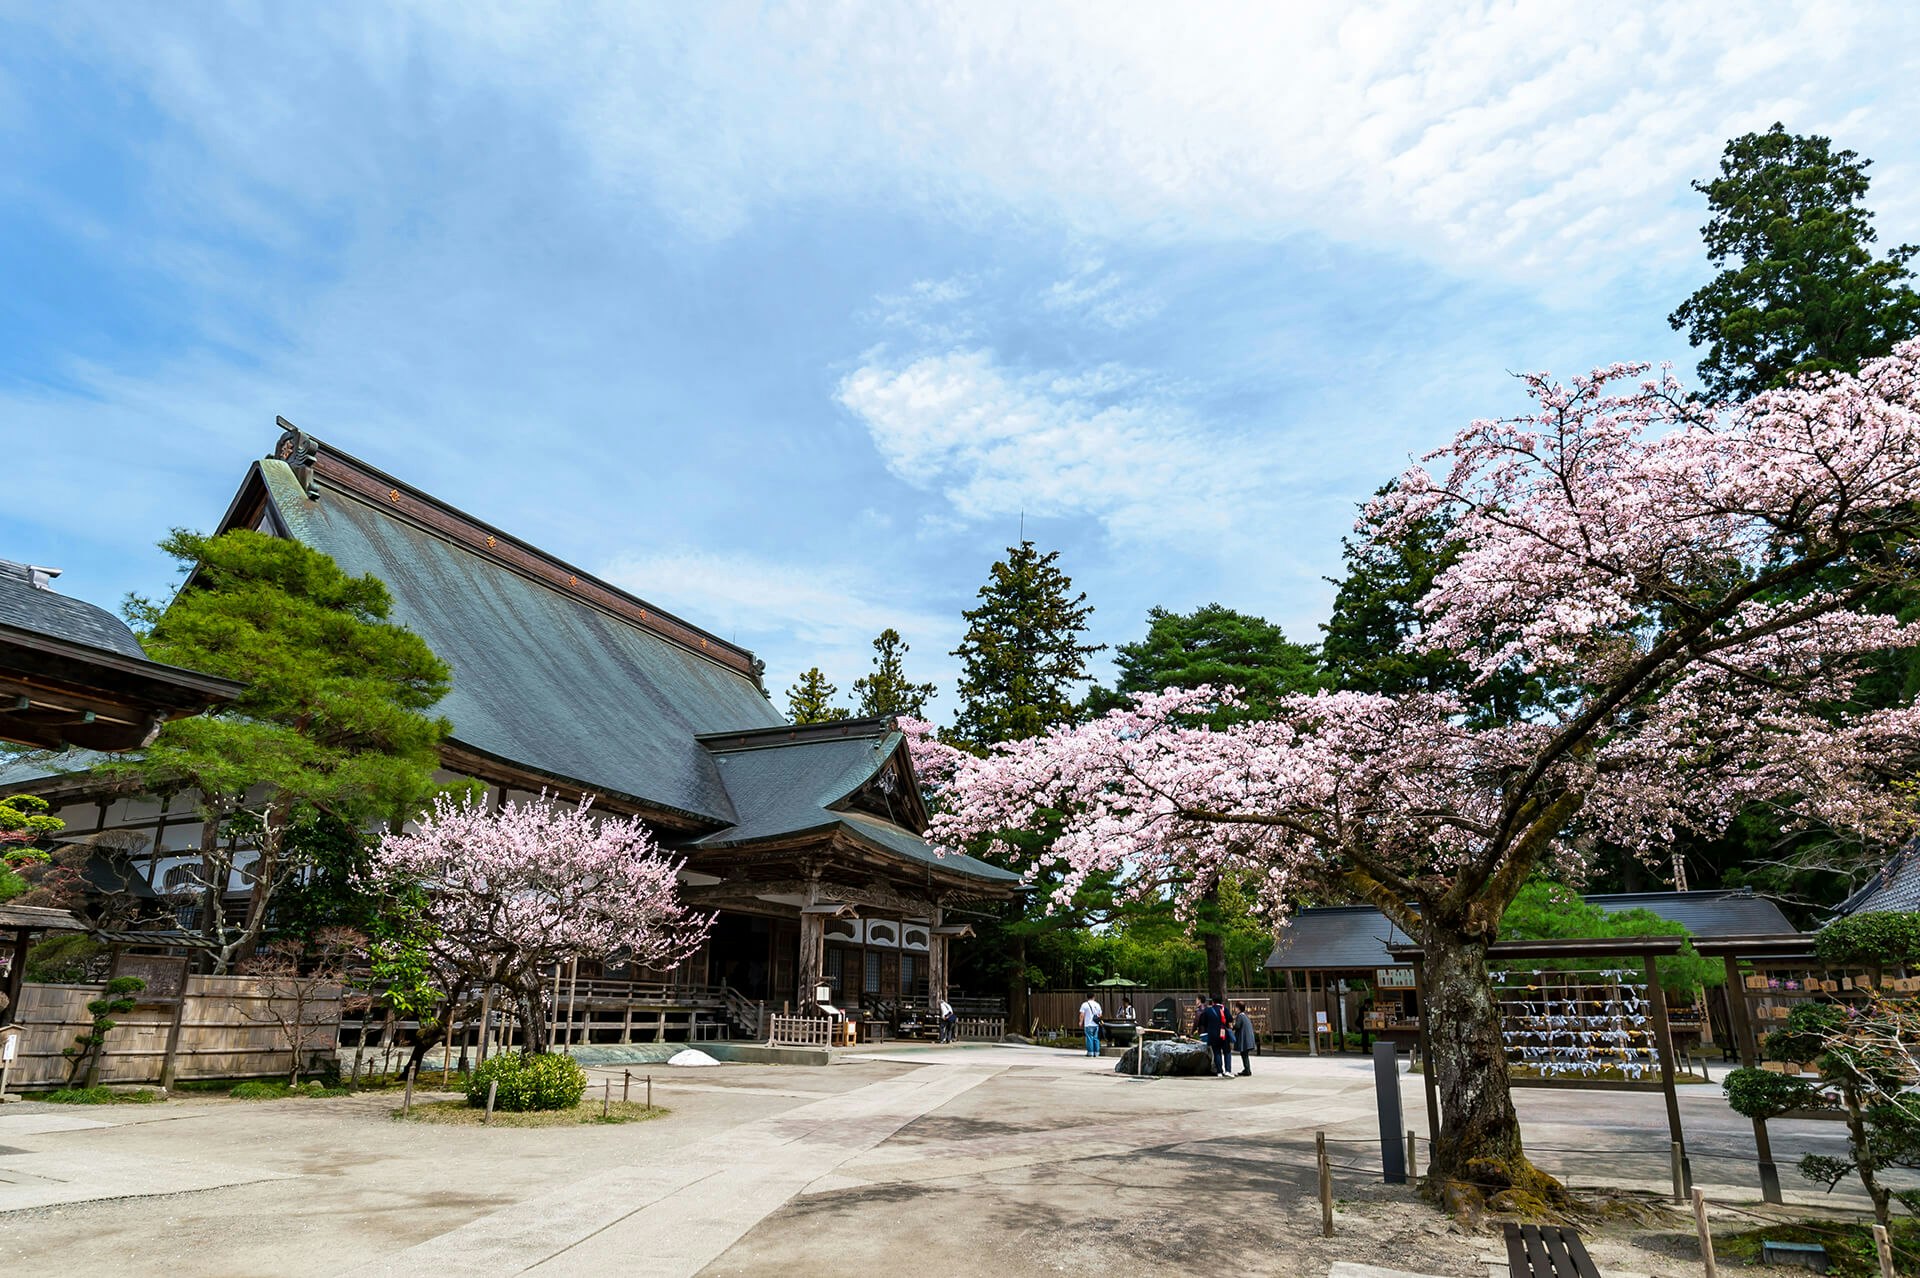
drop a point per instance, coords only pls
(513, 891)
(1690, 583)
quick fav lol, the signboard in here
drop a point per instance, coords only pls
(165, 975)
(1393, 978)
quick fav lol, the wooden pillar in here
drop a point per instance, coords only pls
(16, 976)
(1663, 1041)
(813, 956)
(1749, 1050)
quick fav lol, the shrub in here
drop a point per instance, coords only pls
(1870, 939)
(99, 1096)
(258, 1091)
(1761, 1093)
(544, 1081)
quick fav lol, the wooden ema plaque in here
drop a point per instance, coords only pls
(166, 976)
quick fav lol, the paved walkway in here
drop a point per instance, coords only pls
(673, 1217)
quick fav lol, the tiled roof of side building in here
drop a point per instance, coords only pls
(783, 788)
(543, 678)
(1895, 889)
(26, 606)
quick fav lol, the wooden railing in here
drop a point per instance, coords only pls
(980, 1029)
(800, 1031)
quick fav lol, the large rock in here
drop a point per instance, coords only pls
(1168, 1057)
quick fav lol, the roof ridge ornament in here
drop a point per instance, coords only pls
(298, 450)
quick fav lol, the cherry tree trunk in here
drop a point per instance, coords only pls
(533, 1017)
(1478, 1147)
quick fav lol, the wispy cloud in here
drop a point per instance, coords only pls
(995, 442)
(1100, 296)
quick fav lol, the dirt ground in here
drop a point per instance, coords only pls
(940, 1161)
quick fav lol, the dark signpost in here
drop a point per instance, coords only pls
(1386, 1086)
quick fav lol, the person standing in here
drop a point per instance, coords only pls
(1210, 1025)
(948, 1021)
(1243, 1038)
(1090, 1024)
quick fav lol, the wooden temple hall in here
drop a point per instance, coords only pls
(806, 841)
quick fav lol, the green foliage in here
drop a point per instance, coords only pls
(542, 1081)
(1762, 1093)
(334, 711)
(1022, 655)
(25, 818)
(888, 691)
(1545, 911)
(1891, 939)
(811, 700)
(1370, 639)
(259, 1089)
(1799, 290)
(99, 1096)
(1217, 646)
(64, 959)
(116, 999)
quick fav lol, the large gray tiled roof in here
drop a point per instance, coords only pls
(1345, 937)
(542, 678)
(26, 606)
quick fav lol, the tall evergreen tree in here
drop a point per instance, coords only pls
(1799, 289)
(1023, 653)
(811, 700)
(334, 720)
(888, 691)
(1215, 645)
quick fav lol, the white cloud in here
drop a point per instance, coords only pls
(997, 443)
(1100, 296)
(1528, 140)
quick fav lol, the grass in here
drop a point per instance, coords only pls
(1850, 1250)
(99, 1096)
(460, 1114)
(261, 1090)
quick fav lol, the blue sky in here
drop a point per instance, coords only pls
(786, 317)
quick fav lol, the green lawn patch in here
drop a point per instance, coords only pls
(458, 1113)
(1850, 1250)
(99, 1096)
(258, 1090)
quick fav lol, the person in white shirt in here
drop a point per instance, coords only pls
(1090, 1023)
(948, 1021)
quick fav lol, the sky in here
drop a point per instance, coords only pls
(791, 318)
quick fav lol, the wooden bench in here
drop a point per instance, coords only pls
(1547, 1251)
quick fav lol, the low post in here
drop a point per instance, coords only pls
(1326, 1184)
(606, 1099)
(1883, 1245)
(1706, 1234)
(486, 1119)
(626, 1086)
(1386, 1090)
(1413, 1160)
(170, 1058)
(649, 1091)
(1679, 1175)
(406, 1098)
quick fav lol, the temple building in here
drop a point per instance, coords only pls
(805, 840)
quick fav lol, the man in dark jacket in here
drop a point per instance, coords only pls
(1211, 1027)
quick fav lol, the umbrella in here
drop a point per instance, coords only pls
(1118, 980)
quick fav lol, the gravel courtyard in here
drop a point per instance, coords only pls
(965, 1160)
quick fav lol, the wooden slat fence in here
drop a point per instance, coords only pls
(227, 1031)
(801, 1031)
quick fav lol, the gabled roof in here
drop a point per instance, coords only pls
(1895, 889)
(28, 603)
(555, 671)
(852, 779)
(1346, 937)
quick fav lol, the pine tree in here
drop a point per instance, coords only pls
(811, 700)
(888, 691)
(334, 718)
(1799, 288)
(1022, 655)
(1212, 646)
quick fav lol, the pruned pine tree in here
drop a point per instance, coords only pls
(811, 700)
(888, 691)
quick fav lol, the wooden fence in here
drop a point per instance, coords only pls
(980, 1029)
(801, 1031)
(228, 1029)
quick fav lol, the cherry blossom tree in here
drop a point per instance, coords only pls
(1689, 582)
(513, 891)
